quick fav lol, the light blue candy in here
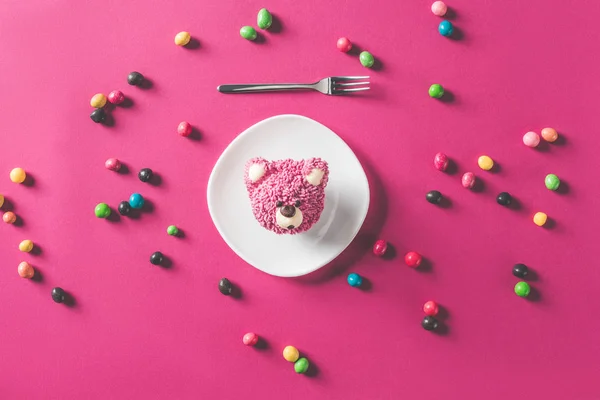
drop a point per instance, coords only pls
(445, 28)
(136, 201)
(354, 280)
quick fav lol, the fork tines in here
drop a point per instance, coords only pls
(347, 83)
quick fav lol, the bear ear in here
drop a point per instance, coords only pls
(256, 169)
(316, 171)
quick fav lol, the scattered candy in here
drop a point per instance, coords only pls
(116, 97)
(98, 115)
(436, 91)
(540, 218)
(301, 365)
(520, 270)
(522, 289)
(549, 134)
(380, 247)
(112, 164)
(172, 230)
(248, 32)
(26, 246)
(429, 323)
(430, 308)
(157, 258)
(225, 286)
(440, 161)
(58, 295)
(102, 210)
(184, 129)
(354, 280)
(18, 175)
(531, 139)
(445, 28)
(9, 217)
(291, 354)
(366, 59)
(413, 259)
(439, 8)
(1, 201)
(552, 182)
(182, 38)
(25, 270)
(485, 163)
(124, 208)
(468, 180)
(98, 100)
(504, 199)
(135, 78)
(434, 197)
(250, 339)
(343, 44)
(136, 201)
(264, 19)
(145, 174)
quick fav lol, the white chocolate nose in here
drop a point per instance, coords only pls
(288, 223)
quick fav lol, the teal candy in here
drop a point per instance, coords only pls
(136, 201)
(354, 280)
(445, 28)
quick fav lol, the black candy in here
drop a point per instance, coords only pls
(124, 208)
(58, 295)
(135, 78)
(429, 323)
(520, 270)
(225, 286)
(504, 199)
(434, 197)
(145, 174)
(98, 115)
(157, 258)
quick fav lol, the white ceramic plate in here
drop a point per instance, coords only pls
(346, 196)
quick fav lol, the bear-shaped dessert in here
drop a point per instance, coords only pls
(287, 196)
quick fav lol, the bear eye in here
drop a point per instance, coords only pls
(297, 204)
(279, 203)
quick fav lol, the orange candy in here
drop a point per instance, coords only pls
(9, 217)
(25, 270)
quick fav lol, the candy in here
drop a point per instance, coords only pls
(25, 270)
(124, 208)
(250, 339)
(429, 323)
(430, 308)
(380, 247)
(225, 286)
(145, 174)
(504, 199)
(26, 246)
(485, 163)
(98, 115)
(531, 139)
(354, 280)
(157, 258)
(301, 365)
(18, 175)
(172, 230)
(136, 201)
(291, 354)
(549, 134)
(540, 218)
(343, 44)
(434, 197)
(112, 164)
(552, 182)
(441, 161)
(116, 97)
(413, 259)
(445, 28)
(436, 91)
(366, 59)
(1, 201)
(520, 270)
(522, 289)
(184, 129)
(58, 295)
(439, 8)
(135, 78)
(182, 38)
(98, 100)
(9, 217)
(248, 32)
(468, 180)
(264, 19)
(102, 210)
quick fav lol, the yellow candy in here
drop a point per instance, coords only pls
(26, 246)
(485, 163)
(291, 354)
(1, 200)
(540, 218)
(98, 100)
(182, 38)
(18, 175)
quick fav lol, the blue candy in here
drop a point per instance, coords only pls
(445, 28)
(354, 280)
(136, 200)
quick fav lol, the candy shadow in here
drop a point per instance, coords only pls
(313, 369)
(29, 180)
(156, 179)
(19, 222)
(69, 300)
(534, 295)
(561, 140)
(390, 253)
(448, 97)
(37, 275)
(36, 251)
(146, 84)
(442, 329)
(515, 204)
(550, 224)
(543, 146)
(457, 34)
(262, 344)
(563, 188)
(443, 313)
(180, 234)
(8, 205)
(377, 65)
(276, 25)
(114, 216)
(532, 275)
(366, 285)
(479, 186)
(126, 103)
(236, 291)
(193, 44)
(167, 263)
(496, 169)
(195, 135)
(452, 167)
(425, 267)
(148, 206)
(109, 120)
(445, 202)
(450, 14)
(124, 170)
(260, 38)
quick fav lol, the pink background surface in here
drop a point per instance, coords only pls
(141, 332)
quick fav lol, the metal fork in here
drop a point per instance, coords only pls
(334, 85)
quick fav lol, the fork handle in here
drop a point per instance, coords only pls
(268, 87)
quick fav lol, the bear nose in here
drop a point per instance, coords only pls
(288, 211)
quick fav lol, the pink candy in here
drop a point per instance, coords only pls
(430, 308)
(113, 164)
(184, 129)
(531, 139)
(468, 180)
(116, 97)
(344, 44)
(380, 248)
(439, 8)
(250, 339)
(440, 161)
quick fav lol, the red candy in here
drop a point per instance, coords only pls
(412, 259)
(468, 180)
(113, 164)
(440, 161)
(116, 97)
(380, 247)
(250, 339)
(344, 44)
(184, 129)
(430, 308)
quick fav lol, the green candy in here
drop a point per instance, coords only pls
(248, 32)
(172, 230)
(367, 59)
(264, 19)
(522, 289)
(301, 365)
(552, 182)
(102, 210)
(436, 91)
